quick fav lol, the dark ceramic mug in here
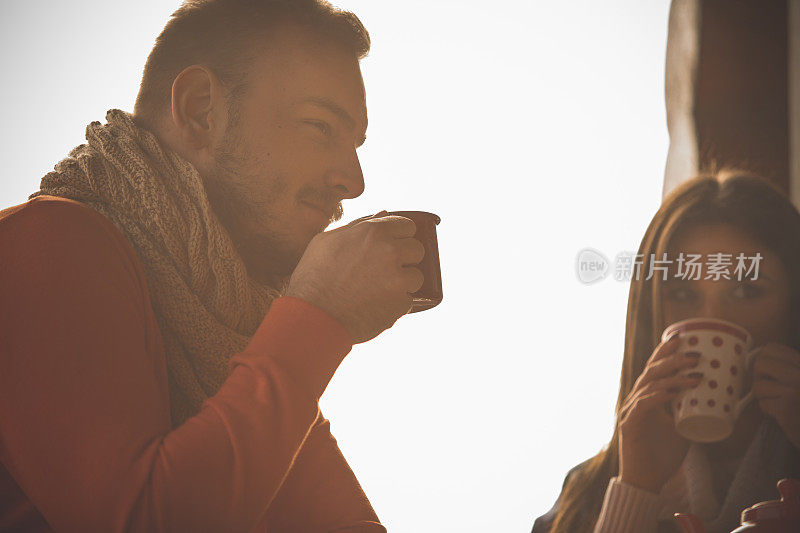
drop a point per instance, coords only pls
(430, 294)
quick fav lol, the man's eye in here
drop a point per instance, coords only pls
(746, 291)
(321, 126)
(681, 294)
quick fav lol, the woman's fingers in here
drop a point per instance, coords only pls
(661, 352)
(669, 366)
(781, 402)
(665, 348)
(660, 375)
(781, 352)
(778, 363)
(773, 390)
(674, 382)
(672, 385)
(645, 403)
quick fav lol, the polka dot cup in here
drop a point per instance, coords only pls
(707, 413)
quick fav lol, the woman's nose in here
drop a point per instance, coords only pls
(714, 306)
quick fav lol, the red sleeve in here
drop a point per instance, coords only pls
(309, 501)
(84, 407)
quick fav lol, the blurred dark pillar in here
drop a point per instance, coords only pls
(727, 88)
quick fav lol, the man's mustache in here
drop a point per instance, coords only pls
(329, 202)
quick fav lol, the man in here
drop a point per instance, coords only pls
(172, 310)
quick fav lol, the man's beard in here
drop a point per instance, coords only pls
(268, 255)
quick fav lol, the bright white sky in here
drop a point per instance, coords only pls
(533, 128)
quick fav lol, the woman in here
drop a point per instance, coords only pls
(647, 471)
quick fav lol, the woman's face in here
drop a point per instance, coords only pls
(760, 305)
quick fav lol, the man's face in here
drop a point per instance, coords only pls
(288, 156)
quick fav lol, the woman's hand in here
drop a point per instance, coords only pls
(776, 387)
(650, 451)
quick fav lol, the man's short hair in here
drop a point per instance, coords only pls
(224, 36)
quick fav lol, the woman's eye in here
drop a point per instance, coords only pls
(745, 291)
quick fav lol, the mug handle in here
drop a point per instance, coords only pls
(744, 400)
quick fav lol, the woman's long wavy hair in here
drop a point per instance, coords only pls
(741, 200)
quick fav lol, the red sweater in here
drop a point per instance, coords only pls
(86, 442)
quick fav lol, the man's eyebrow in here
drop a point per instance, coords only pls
(336, 109)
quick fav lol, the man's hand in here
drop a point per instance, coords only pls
(361, 274)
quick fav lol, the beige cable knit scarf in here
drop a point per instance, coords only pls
(205, 303)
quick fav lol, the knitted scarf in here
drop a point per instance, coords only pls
(206, 305)
(769, 458)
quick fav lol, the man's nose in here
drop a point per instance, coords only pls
(347, 177)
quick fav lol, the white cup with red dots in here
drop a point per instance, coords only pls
(708, 412)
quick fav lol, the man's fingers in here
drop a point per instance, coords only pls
(395, 226)
(361, 219)
(411, 251)
(413, 279)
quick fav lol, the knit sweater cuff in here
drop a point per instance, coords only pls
(304, 340)
(627, 509)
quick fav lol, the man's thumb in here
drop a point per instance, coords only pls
(376, 215)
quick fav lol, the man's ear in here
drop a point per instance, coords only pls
(197, 101)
